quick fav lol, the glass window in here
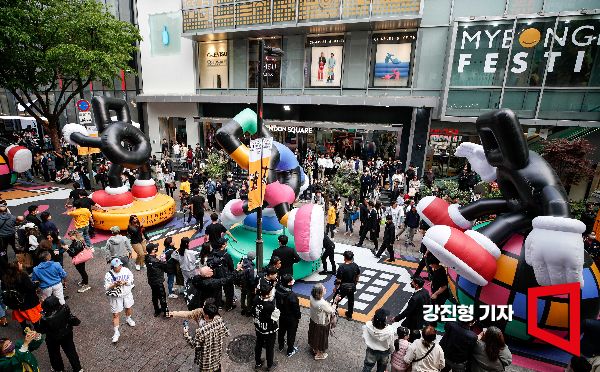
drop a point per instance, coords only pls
(468, 8)
(472, 102)
(551, 6)
(392, 59)
(324, 58)
(431, 42)
(436, 12)
(292, 65)
(272, 64)
(213, 64)
(525, 6)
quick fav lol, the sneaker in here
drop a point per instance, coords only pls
(84, 288)
(324, 272)
(137, 267)
(291, 353)
(143, 266)
(79, 284)
(272, 366)
(281, 349)
(321, 357)
(259, 365)
(173, 295)
(130, 322)
(115, 337)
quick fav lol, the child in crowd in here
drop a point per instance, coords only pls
(400, 346)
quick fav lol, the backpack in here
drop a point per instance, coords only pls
(12, 299)
(191, 295)
(210, 188)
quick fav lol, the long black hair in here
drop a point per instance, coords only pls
(494, 342)
(185, 244)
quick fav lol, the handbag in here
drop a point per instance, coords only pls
(84, 256)
(113, 292)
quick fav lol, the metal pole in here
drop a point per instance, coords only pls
(259, 123)
(89, 159)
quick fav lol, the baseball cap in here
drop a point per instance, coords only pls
(251, 255)
(115, 229)
(116, 262)
(29, 225)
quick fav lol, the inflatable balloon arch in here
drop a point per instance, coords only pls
(125, 146)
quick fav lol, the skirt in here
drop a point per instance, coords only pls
(318, 336)
(33, 315)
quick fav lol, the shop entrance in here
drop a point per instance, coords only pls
(173, 129)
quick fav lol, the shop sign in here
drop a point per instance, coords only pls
(290, 129)
(444, 131)
(569, 50)
(213, 65)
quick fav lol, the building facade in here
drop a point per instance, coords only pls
(401, 78)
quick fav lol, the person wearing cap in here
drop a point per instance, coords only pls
(379, 338)
(156, 278)
(222, 264)
(248, 269)
(413, 312)
(118, 246)
(120, 279)
(288, 256)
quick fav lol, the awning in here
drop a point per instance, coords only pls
(365, 127)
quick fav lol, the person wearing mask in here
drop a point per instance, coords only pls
(215, 231)
(82, 218)
(400, 347)
(49, 275)
(458, 343)
(321, 313)
(287, 302)
(19, 294)
(156, 278)
(287, 255)
(208, 339)
(346, 279)
(328, 253)
(186, 258)
(389, 235)
(137, 236)
(248, 272)
(379, 338)
(490, 352)
(424, 354)
(118, 283)
(266, 325)
(412, 222)
(57, 324)
(32, 215)
(118, 246)
(439, 282)
(18, 356)
(413, 313)
(8, 224)
(222, 264)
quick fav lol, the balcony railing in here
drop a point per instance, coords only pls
(203, 16)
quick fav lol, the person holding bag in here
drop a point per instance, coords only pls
(57, 324)
(79, 255)
(424, 355)
(321, 313)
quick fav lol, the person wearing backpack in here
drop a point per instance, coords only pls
(248, 283)
(57, 324)
(19, 294)
(424, 355)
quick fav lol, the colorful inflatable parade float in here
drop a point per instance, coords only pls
(14, 159)
(125, 146)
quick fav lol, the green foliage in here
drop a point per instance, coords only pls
(345, 183)
(450, 188)
(216, 165)
(577, 208)
(44, 42)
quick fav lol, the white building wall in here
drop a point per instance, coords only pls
(177, 110)
(165, 74)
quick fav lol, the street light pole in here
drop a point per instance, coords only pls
(259, 123)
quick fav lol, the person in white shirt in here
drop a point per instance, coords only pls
(379, 338)
(397, 213)
(424, 354)
(399, 177)
(118, 283)
(321, 166)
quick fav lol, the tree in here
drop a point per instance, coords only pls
(60, 47)
(569, 159)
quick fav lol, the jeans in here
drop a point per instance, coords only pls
(170, 282)
(349, 226)
(372, 357)
(268, 342)
(68, 346)
(411, 234)
(85, 231)
(81, 269)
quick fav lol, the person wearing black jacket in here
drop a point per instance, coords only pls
(156, 278)
(389, 237)
(57, 324)
(266, 317)
(19, 294)
(222, 264)
(207, 286)
(369, 225)
(138, 238)
(288, 305)
(363, 215)
(458, 343)
(413, 313)
(288, 256)
(328, 253)
(346, 280)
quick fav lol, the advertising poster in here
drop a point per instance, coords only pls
(213, 65)
(272, 66)
(260, 153)
(326, 66)
(392, 65)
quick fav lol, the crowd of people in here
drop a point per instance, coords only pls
(383, 207)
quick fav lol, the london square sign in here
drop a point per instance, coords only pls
(568, 52)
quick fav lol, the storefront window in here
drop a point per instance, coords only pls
(213, 65)
(272, 67)
(392, 59)
(325, 57)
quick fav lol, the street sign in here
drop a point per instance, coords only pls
(85, 117)
(260, 152)
(83, 105)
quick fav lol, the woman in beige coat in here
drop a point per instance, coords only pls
(321, 312)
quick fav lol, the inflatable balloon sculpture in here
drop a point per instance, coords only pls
(285, 181)
(14, 159)
(533, 240)
(125, 146)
